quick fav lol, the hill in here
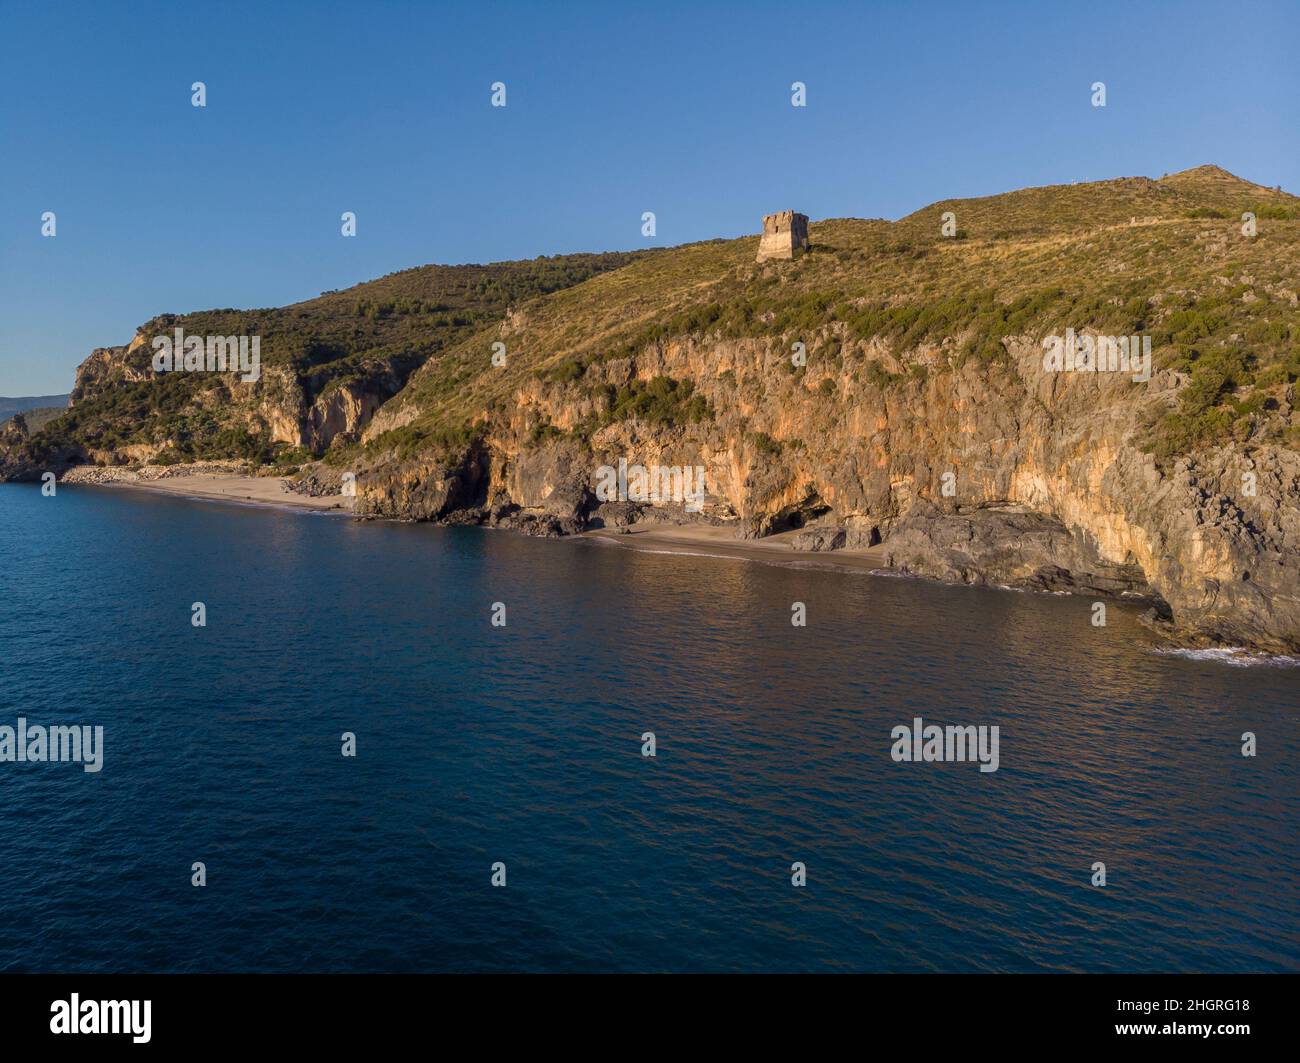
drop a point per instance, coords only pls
(11, 406)
(1121, 257)
(37, 417)
(326, 364)
(887, 387)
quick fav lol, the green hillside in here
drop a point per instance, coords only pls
(1131, 256)
(1164, 258)
(383, 328)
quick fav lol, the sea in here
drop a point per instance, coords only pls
(398, 747)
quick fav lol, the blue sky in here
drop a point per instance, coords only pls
(613, 109)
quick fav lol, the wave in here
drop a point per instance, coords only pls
(1235, 656)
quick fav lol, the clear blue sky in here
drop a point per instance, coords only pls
(613, 109)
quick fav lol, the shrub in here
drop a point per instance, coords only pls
(662, 400)
(545, 433)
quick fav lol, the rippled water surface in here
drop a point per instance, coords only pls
(522, 744)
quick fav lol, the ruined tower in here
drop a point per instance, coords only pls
(784, 236)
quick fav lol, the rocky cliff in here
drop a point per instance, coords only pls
(325, 367)
(890, 388)
(1048, 490)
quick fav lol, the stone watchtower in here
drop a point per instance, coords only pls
(784, 236)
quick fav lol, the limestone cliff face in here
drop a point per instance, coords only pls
(327, 366)
(982, 474)
(342, 411)
(296, 408)
(1003, 474)
(106, 365)
(921, 421)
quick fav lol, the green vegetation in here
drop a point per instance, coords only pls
(1132, 256)
(36, 417)
(374, 334)
(1201, 416)
(544, 433)
(1119, 257)
(659, 401)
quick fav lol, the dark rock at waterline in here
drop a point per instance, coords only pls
(1008, 547)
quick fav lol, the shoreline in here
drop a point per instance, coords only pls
(263, 491)
(719, 540)
(686, 540)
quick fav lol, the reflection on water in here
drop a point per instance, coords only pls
(522, 744)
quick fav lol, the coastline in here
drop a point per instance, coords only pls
(712, 540)
(687, 540)
(220, 487)
(700, 540)
(703, 540)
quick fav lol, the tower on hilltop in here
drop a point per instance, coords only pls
(785, 235)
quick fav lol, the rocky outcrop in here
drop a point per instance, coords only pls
(342, 411)
(912, 419)
(127, 474)
(321, 482)
(425, 489)
(20, 460)
(300, 409)
(1006, 547)
(991, 474)
(108, 365)
(13, 431)
(998, 474)
(1224, 546)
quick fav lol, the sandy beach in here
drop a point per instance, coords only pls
(701, 540)
(720, 541)
(219, 486)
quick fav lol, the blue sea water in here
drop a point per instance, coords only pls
(522, 744)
